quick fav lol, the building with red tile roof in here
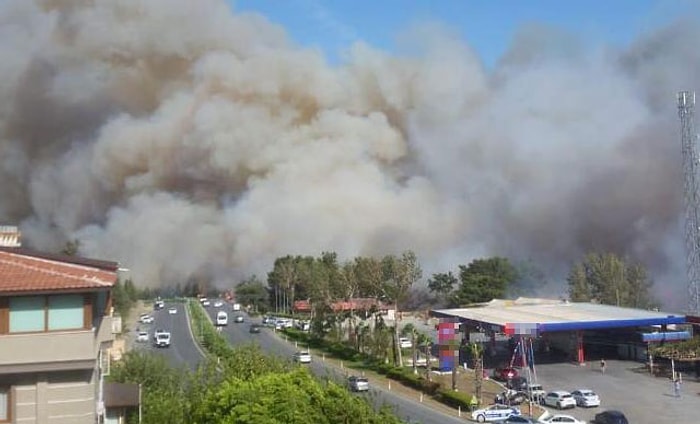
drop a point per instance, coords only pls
(55, 328)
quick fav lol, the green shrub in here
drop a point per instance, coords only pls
(456, 399)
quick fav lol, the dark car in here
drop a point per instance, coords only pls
(254, 328)
(610, 417)
(505, 373)
(518, 419)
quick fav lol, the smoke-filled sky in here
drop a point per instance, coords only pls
(185, 140)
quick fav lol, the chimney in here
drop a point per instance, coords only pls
(10, 236)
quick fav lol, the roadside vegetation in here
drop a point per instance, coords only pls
(238, 385)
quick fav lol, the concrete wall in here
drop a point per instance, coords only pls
(66, 397)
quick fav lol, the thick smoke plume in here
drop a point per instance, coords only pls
(188, 141)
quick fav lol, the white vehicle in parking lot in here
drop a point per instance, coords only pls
(560, 399)
(555, 419)
(494, 412)
(586, 398)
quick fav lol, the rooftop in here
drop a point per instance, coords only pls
(523, 315)
(23, 272)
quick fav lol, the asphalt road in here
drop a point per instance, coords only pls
(409, 410)
(183, 350)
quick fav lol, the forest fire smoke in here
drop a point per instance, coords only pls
(183, 139)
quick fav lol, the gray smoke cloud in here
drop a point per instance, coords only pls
(188, 141)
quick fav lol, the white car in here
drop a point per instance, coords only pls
(358, 384)
(205, 303)
(405, 343)
(494, 412)
(561, 419)
(172, 311)
(146, 319)
(158, 332)
(302, 357)
(560, 399)
(142, 337)
(163, 340)
(586, 398)
(218, 304)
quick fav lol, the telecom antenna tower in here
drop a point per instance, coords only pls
(691, 188)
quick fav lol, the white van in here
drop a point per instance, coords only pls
(222, 318)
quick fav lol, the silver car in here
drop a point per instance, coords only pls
(586, 398)
(358, 384)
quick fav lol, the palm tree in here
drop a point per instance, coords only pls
(477, 353)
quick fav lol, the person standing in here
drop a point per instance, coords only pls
(603, 365)
(677, 387)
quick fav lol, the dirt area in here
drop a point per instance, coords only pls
(124, 341)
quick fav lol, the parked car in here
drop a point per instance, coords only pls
(494, 412)
(405, 343)
(568, 419)
(254, 328)
(560, 399)
(536, 392)
(302, 357)
(519, 419)
(172, 311)
(505, 373)
(610, 417)
(142, 337)
(586, 398)
(358, 384)
(511, 397)
(163, 340)
(517, 383)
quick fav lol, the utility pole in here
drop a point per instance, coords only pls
(691, 191)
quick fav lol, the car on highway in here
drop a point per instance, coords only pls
(159, 304)
(495, 412)
(157, 332)
(218, 304)
(254, 329)
(610, 417)
(302, 357)
(358, 384)
(163, 340)
(239, 319)
(221, 318)
(172, 311)
(206, 302)
(142, 337)
(146, 319)
(586, 398)
(560, 399)
(559, 418)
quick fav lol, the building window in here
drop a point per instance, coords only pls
(66, 312)
(5, 405)
(47, 313)
(27, 314)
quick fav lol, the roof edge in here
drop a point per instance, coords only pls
(76, 260)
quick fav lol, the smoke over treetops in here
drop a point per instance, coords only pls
(183, 139)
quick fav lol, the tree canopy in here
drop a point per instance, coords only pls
(485, 279)
(610, 279)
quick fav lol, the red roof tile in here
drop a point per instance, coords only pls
(21, 273)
